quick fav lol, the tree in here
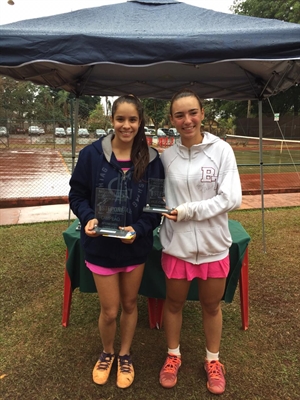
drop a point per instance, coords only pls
(108, 106)
(16, 102)
(156, 110)
(211, 113)
(284, 10)
(97, 119)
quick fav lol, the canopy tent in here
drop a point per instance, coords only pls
(152, 48)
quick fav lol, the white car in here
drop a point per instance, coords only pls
(69, 131)
(83, 132)
(100, 133)
(160, 133)
(149, 132)
(60, 132)
(3, 131)
(173, 132)
(34, 130)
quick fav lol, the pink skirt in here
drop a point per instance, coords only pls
(96, 269)
(174, 268)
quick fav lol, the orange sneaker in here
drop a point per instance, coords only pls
(168, 373)
(102, 368)
(125, 374)
(215, 376)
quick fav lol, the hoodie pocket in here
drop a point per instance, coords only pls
(188, 244)
(211, 241)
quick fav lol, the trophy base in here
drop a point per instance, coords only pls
(114, 233)
(158, 210)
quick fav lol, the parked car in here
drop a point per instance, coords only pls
(160, 133)
(18, 130)
(34, 130)
(42, 131)
(149, 132)
(3, 131)
(111, 130)
(99, 133)
(69, 130)
(83, 132)
(166, 130)
(60, 132)
(173, 132)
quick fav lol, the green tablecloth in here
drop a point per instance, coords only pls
(153, 282)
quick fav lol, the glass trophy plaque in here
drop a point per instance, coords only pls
(156, 202)
(110, 211)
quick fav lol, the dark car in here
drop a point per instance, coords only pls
(18, 130)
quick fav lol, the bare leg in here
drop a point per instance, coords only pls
(129, 286)
(210, 294)
(108, 292)
(177, 290)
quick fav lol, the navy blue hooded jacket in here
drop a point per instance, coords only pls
(98, 167)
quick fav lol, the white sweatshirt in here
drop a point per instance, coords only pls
(203, 184)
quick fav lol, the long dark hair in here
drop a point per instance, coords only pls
(139, 151)
(185, 93)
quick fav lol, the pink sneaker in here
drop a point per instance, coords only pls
(215, 376)
(168, 373)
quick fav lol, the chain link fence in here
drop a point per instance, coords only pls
(35, 167)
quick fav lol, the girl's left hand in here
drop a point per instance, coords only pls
(128, 229)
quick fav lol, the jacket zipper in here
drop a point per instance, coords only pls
(191, 201)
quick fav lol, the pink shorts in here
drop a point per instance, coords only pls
(96, 269)
(174, 268)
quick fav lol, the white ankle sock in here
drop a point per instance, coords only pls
(211, 356)
(175, 352)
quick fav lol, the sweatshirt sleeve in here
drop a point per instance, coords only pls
(228, 193)
(80, 193)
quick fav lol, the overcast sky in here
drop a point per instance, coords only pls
(26, 9)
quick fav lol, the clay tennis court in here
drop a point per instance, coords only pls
(33, 177)
(41, 177)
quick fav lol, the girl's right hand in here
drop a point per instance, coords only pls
(89, 228)
(172, 215)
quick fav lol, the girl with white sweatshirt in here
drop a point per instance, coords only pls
(202, 184)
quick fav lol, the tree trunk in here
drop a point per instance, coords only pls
(249, 109)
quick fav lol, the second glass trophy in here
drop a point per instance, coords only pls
(156, 197)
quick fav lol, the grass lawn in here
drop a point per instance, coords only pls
(41, 360)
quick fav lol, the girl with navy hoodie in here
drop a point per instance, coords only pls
(121, 160)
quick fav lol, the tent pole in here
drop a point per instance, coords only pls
(260, 128)
(74, 135)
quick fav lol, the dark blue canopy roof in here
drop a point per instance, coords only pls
(152, 48)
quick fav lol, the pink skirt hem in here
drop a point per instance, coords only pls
(174, 268)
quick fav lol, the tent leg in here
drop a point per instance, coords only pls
(74, 132)
(260, 127)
